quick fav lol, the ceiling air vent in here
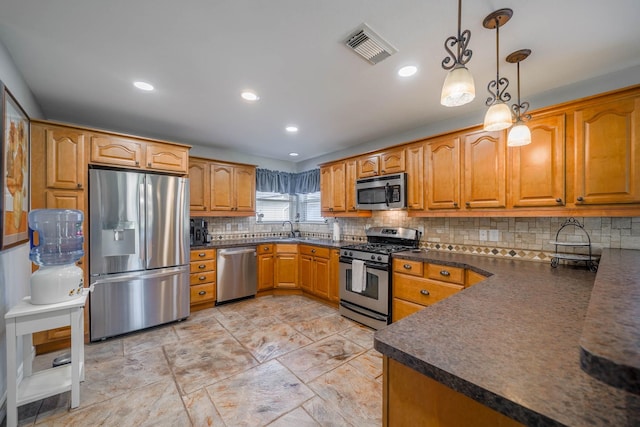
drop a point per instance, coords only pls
(366, 43)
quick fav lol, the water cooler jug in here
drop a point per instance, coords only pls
(59, 245)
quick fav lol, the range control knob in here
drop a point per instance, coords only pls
(379, 258)
(373, 257)
(350, 253)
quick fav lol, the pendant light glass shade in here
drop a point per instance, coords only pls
(498, 117)
(458, 88)
(519, 135)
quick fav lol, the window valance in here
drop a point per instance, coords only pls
(288, 182)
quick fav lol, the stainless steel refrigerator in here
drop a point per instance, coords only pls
(138, 251)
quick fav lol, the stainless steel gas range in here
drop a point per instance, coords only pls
(365, 274)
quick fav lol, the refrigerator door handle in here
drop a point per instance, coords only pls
(137, 275)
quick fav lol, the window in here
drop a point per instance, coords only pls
(276, 207)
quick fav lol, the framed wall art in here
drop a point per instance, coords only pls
(14, 158)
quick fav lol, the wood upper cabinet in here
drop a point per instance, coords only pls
(415, 176)
(443, 172)
(65, 161)
(199, 192)
(134, 153)
(351, 175)
(607, 152)
(233, 188)
(116, 151)
(484, 171)
(166, 157)
(332, 187)
(383, 163)
(537, 170)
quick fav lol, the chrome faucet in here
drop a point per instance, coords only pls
(291, 234)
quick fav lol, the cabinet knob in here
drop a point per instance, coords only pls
(407, 266)
(202, 277)
(383, 171)
(455, 204)
(580, 199)
(313, 251)
(467, 204)
(445, 273)
(202, 254)
(558, 200)
(424, 292)
(137, 163)
(202, 266)
(79, 262)
(266, 248)
(79, 185)
(149, 164)
(202, 293)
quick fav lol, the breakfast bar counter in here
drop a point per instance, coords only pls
(513, 341)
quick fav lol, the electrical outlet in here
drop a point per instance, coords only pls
(494, 235)
(483, 235)
(228, 227)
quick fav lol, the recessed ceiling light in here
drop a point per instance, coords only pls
(143, 85)
(291, 129)
(293, 154)
(249, 96)
(407, 71)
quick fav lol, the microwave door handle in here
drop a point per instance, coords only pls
(386, 194)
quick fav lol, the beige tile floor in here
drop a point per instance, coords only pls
(271, 361)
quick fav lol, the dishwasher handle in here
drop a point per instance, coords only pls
(236, 251)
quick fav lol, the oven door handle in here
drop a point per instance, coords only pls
(360, 311)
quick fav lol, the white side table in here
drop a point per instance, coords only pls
(25, 319)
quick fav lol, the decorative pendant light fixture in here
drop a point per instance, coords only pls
(458, 88)
(498, 116)
(519, 133)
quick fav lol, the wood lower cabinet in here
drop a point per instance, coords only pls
(59, 182)
(413, 399)
(266, 267)
(537, 170)
(202, 278)
(286, 266)
(607, 151)
(417, 285)
(315, 270)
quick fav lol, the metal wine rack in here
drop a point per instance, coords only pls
(590, 260)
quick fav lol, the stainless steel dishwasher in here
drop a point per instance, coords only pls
(237, 277)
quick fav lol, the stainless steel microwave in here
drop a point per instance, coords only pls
(382, 192)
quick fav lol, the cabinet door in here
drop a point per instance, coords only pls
(334, 276)
(536, 171)
(244, 180)
(306, 273)
(115, 151)
(392, 161)
(286, 270)
(608, 152)
(338, 175)
(265, 271)
(221, 187)
(166, 157)
(368, 166)
(326, 189)
(443, 173)
(484, 170)
(198, 185)
(351, 170)
(322, 277)
(415, 176)
(65, 158)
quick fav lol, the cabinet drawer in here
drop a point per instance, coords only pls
(265, 249)
(198, 266)
(202, 277)
(202, 293)
(422, 291)
(287, 248)
(200, 254)
(445, 273)
(401, 308)
(314, 251)
(404, 266)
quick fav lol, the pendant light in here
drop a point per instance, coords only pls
(498, 116)
(519, 134)
(458, 88)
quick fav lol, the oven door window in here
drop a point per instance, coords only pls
(371, 290)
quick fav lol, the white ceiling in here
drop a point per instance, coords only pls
(80, 57)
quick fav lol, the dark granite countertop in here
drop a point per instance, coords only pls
(513, 341)
(250, 242)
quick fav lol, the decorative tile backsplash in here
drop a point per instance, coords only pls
(521, 238)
